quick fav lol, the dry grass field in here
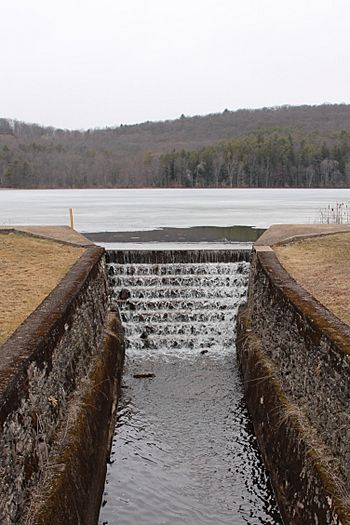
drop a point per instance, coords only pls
(29, 269)
(322, 266)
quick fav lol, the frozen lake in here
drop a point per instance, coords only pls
(148, 209)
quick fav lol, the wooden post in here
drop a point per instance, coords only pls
(71, 218)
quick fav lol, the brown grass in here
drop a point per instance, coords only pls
(29, 270)
(322, 266)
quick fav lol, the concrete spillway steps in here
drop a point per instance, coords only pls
(179, 306)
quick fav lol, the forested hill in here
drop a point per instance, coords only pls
(305, 146)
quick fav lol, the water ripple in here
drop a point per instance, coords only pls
(184, 451)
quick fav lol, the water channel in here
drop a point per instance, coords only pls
(184, 451)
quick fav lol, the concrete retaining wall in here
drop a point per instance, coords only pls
(57, 383)
(295, 360)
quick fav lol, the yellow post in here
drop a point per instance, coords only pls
(71, 218)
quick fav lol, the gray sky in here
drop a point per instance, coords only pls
(88, 63)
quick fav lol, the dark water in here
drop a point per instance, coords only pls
(184, 451)
(193, 234)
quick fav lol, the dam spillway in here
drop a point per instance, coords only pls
(184, 449)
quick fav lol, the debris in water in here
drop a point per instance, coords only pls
(145, 375)
(124, 294)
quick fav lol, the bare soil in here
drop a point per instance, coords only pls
(322, 266)
(29, 270)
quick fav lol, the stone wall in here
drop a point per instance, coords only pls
(295, 359)
(47, 368)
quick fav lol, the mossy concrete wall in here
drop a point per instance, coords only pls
(294, 356)
(58, 381)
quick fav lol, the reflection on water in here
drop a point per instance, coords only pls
(184, 451)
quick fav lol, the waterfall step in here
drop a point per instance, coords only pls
(178, 305)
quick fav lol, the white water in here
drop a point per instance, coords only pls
(147, 209)
(182, 306)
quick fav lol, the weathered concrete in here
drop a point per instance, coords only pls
(63, 234)
(295, 358)
(278, 233)
(58, 381)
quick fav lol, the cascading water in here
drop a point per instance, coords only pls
(184, 451)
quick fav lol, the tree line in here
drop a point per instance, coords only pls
(262, 159)
(270, 147)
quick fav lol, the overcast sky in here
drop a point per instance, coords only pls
(89, 63)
